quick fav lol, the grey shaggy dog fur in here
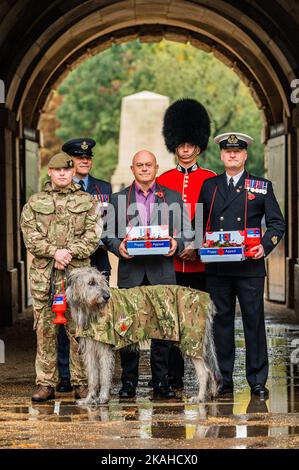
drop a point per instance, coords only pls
(87, 293)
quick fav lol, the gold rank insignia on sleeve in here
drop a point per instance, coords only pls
(84, 145)
(274, 240)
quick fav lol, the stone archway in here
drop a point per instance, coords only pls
(41, 44)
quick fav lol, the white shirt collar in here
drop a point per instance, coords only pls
(235, 178)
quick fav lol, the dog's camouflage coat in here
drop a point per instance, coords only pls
(132, 315)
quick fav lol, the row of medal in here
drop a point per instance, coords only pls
(103, 199)
(256, 186)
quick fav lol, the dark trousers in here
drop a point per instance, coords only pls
(64, 350)
(249, 290)
(159, 359)
(176, 360)
(193, 280)
(63, 353)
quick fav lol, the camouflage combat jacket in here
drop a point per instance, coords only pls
(173, 313)
(59, 218)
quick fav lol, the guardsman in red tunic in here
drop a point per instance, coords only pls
(186, 131)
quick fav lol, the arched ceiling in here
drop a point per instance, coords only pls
(41, 41)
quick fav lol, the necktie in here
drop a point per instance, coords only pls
(81, 182)
(231, 186)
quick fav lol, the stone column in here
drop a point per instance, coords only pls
(10, 262)
(141, 128)
(275, 166)
(31, 157)
(293, 219)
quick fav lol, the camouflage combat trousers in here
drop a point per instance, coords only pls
(47, 349)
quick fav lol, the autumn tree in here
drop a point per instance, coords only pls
(92, 96)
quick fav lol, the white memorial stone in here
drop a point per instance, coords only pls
(141, 128)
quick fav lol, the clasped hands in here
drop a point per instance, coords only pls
(62, 257)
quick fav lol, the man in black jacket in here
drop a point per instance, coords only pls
(81, 152)
(146, 203)
(232, 201)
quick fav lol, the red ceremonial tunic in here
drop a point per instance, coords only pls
(188, 182)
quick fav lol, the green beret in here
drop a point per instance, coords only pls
(61, 160)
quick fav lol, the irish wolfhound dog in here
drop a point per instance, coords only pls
(103, 322)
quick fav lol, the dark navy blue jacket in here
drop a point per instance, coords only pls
(103, 190)
(228, 214)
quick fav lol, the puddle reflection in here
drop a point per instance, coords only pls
(160, 421)
(283, 381)
(238, 418)
(146, 420)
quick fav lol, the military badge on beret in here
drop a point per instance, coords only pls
(274, 240)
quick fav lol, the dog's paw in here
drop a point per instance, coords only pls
(83, 402)
(102, 399)
(196, 400)
(89, 400)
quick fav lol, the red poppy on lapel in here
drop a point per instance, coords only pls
(159, 194)
(251, 196)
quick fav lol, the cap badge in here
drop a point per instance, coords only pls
(232, 139)
(274, 240)
(84, 145)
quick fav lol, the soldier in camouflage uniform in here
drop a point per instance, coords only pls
(61, 227)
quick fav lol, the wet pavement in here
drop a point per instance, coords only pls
(236, 422)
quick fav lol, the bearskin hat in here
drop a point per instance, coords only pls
(186, 120)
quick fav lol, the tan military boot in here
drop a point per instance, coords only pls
(43, 393)
(81, 391)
